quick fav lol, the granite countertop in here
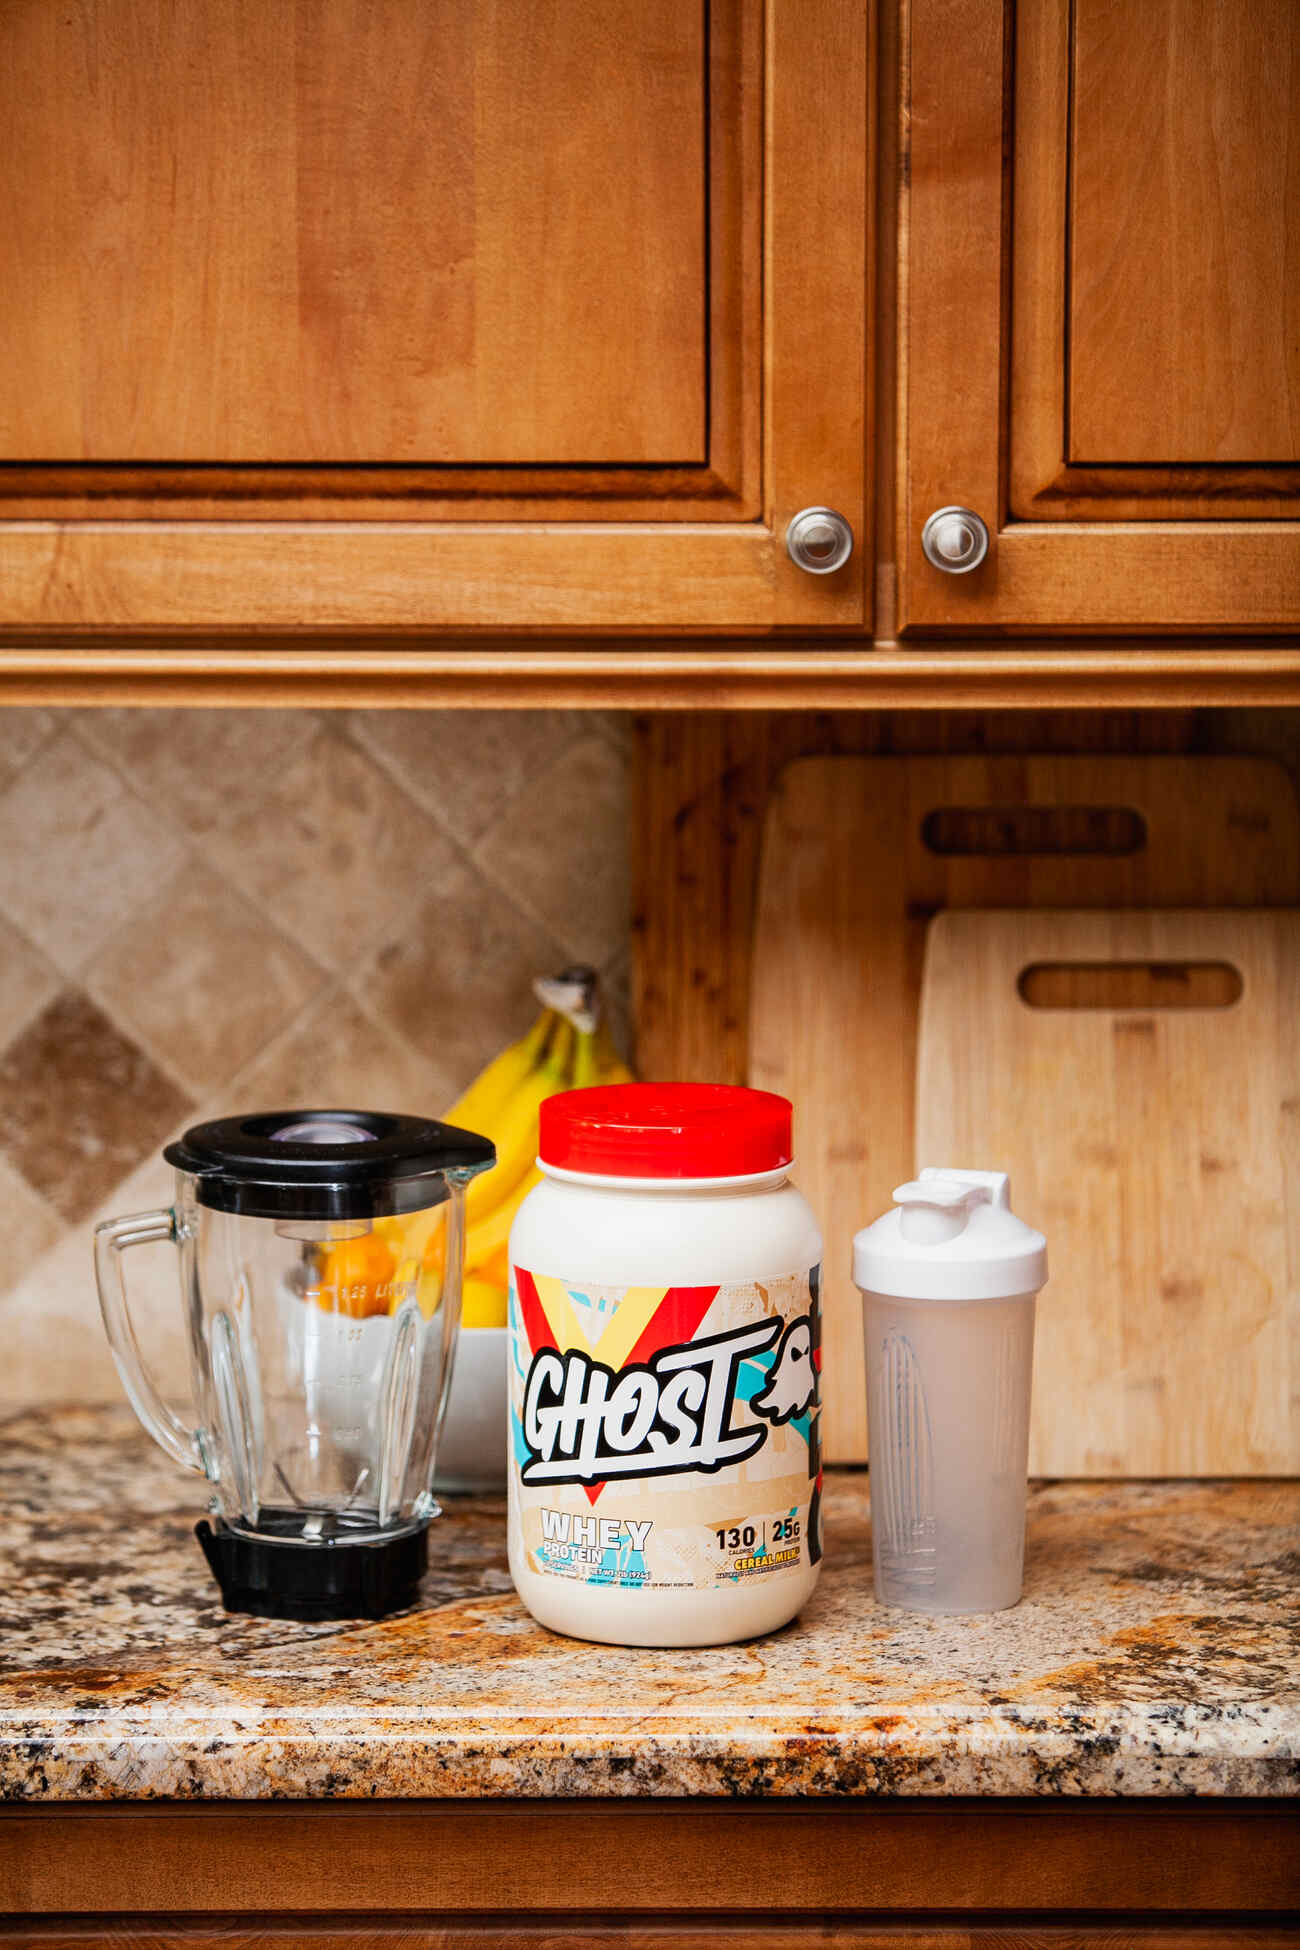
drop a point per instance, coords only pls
(1156, 1652)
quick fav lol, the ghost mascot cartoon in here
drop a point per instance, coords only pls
(791, 1386)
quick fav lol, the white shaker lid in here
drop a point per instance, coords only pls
(951, 1236)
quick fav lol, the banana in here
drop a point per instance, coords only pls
(515, 1135)
(496, 1269)
(567, 1047)
(484, 1101)
(483, 1304)
(485, 1240)
(595, 1061)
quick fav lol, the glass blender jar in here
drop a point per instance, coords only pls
(320, 1274)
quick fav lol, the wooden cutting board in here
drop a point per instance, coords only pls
(858, 853)
(1158, 1147)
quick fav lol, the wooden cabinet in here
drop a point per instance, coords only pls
(1100, 313)
(735, 1929)
(357, 345)
(413, 315)
(875, 1873)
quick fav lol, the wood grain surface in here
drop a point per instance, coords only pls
(689, 679)
(1157, 1148)
(817, 284)
(1152, 98)
(1184, 232)
(702, 779)
(949, 296)
(340, 233)
(1165, 540)
(616, 1932)
(851, 871)
(722, 484)
(511, 318)
(801, 1859)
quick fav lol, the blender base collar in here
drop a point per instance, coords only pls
(270, 1578)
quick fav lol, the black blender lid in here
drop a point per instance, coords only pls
(326, 1164)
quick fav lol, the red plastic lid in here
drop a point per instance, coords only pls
(666, 1130)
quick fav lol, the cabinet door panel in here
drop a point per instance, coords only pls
(354, 230)
(1099, 344)
(431, 314)
(1184, 318)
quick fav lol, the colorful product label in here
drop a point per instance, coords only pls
(666, 1438)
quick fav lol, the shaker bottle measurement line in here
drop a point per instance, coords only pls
(902, 1461)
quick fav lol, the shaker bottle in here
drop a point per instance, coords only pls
(948, 1282)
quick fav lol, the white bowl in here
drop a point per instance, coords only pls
(472, 1453)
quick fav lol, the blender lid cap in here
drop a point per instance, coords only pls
(335, 1164)
(951, 1236)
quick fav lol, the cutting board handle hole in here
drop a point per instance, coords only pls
(994, 831)
(1130, 985)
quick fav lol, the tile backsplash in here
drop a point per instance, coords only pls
(203, 911)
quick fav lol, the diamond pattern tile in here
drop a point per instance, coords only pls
(336, 852)
(203, 911)
(55, 1346)
(80, 1104)
(27, 981)
(29, 1224)
(78, 852)
(458, 983)
(337, 1055)
(561, 848)
(50, 1322)
(202, 978)
(203, 768)
(23, 730)
(467, 765)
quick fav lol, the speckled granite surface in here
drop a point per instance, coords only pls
(1156, 1652)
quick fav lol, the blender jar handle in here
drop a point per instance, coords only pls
(111, 1241)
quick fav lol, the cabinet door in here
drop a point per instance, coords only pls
(431, 314)
(1101, 313)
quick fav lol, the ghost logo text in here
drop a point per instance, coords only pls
(585, 1423)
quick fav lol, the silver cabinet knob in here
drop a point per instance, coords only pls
(819, 540)
(955, 540)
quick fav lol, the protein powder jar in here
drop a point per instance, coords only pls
(665, 1356)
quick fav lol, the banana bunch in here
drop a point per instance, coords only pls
(567, 1047)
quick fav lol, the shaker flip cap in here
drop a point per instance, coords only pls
(951, 1236)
